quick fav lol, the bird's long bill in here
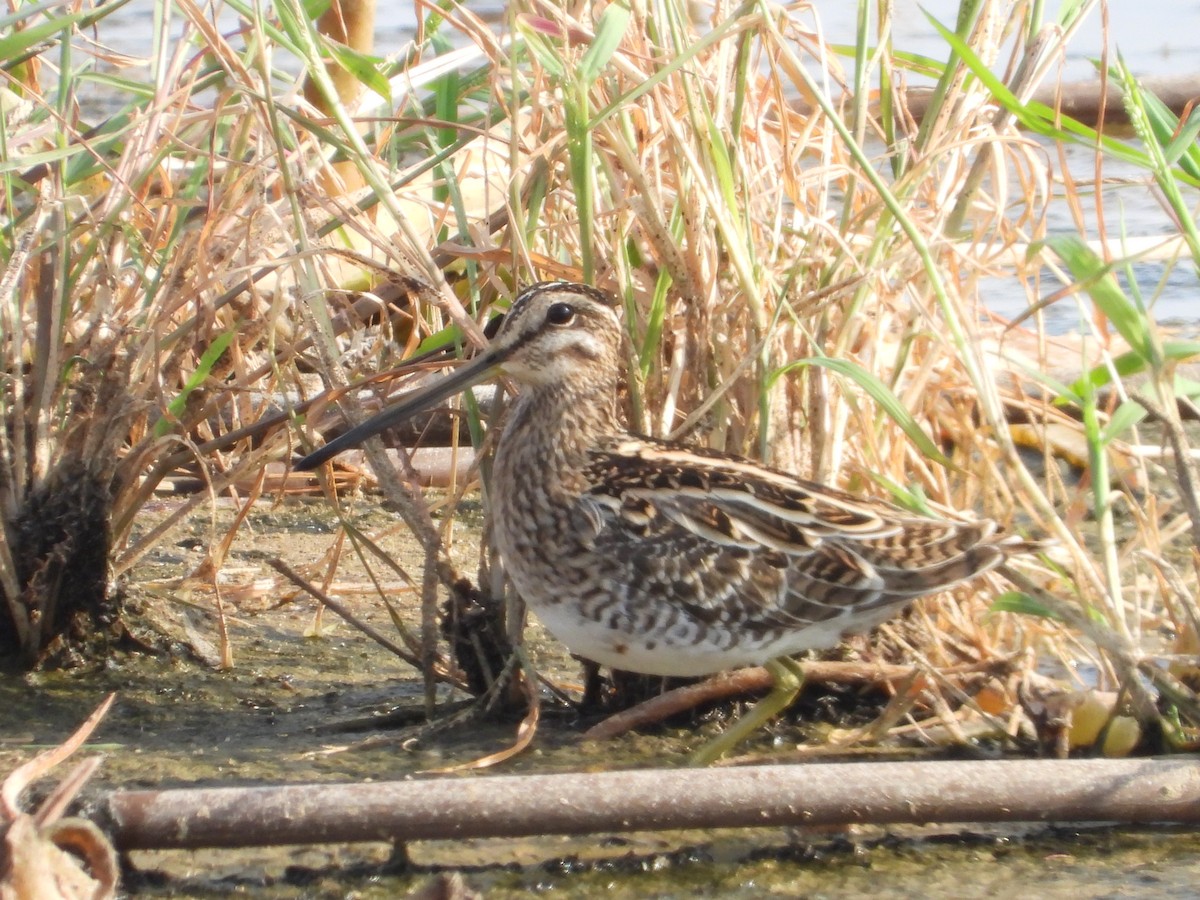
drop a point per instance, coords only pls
(448, 385)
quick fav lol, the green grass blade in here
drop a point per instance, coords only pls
(1024, 604)
(1133, 363)
(540, 46)
(1125, 417)
(715, 36)
(208, 359)
(17, 43)
(609, 31)
(1097, 279)
(364, 68)
(1178, 143)
(1037, 117)
(877, 391)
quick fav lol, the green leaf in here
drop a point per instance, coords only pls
(721, 162)
(293, 21)
(1132, 363)
(1183, 148)
(581, 155)
(364, 68)
(911, 498)
(542, 49)
(1096, 278)
(877, 391)
(1061, 391)
(208, 359)
(254, 12)
(26, 12)
(440, 340)
(716, 35)
(1038, 117)
(1069, 11)
(655, 316)
(1179, 144)
(609, 31)
(21, 163)
(1125, 417)
(18, 42)
(135, 87)
(1186, 387)
(1020, 602)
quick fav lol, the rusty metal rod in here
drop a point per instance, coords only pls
(1130, 790)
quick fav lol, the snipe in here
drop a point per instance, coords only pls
(665, 559)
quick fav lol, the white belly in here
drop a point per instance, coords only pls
(660, 655)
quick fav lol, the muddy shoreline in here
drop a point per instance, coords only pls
(300, 705)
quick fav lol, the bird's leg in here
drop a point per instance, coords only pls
(788, 676)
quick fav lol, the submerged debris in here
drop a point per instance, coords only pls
(44, 856)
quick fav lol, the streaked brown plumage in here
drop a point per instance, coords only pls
(666, 559)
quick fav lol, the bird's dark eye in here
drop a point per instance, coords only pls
(560, 314)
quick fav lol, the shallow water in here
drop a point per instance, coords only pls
(1156, 37)
(1070, 864)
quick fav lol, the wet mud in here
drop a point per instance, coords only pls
(308, 698)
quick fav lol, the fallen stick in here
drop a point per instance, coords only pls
(740, 682)
(1095, 790)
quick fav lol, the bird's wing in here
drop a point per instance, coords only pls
(726, 538)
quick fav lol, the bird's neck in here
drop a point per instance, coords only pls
(557, 424)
